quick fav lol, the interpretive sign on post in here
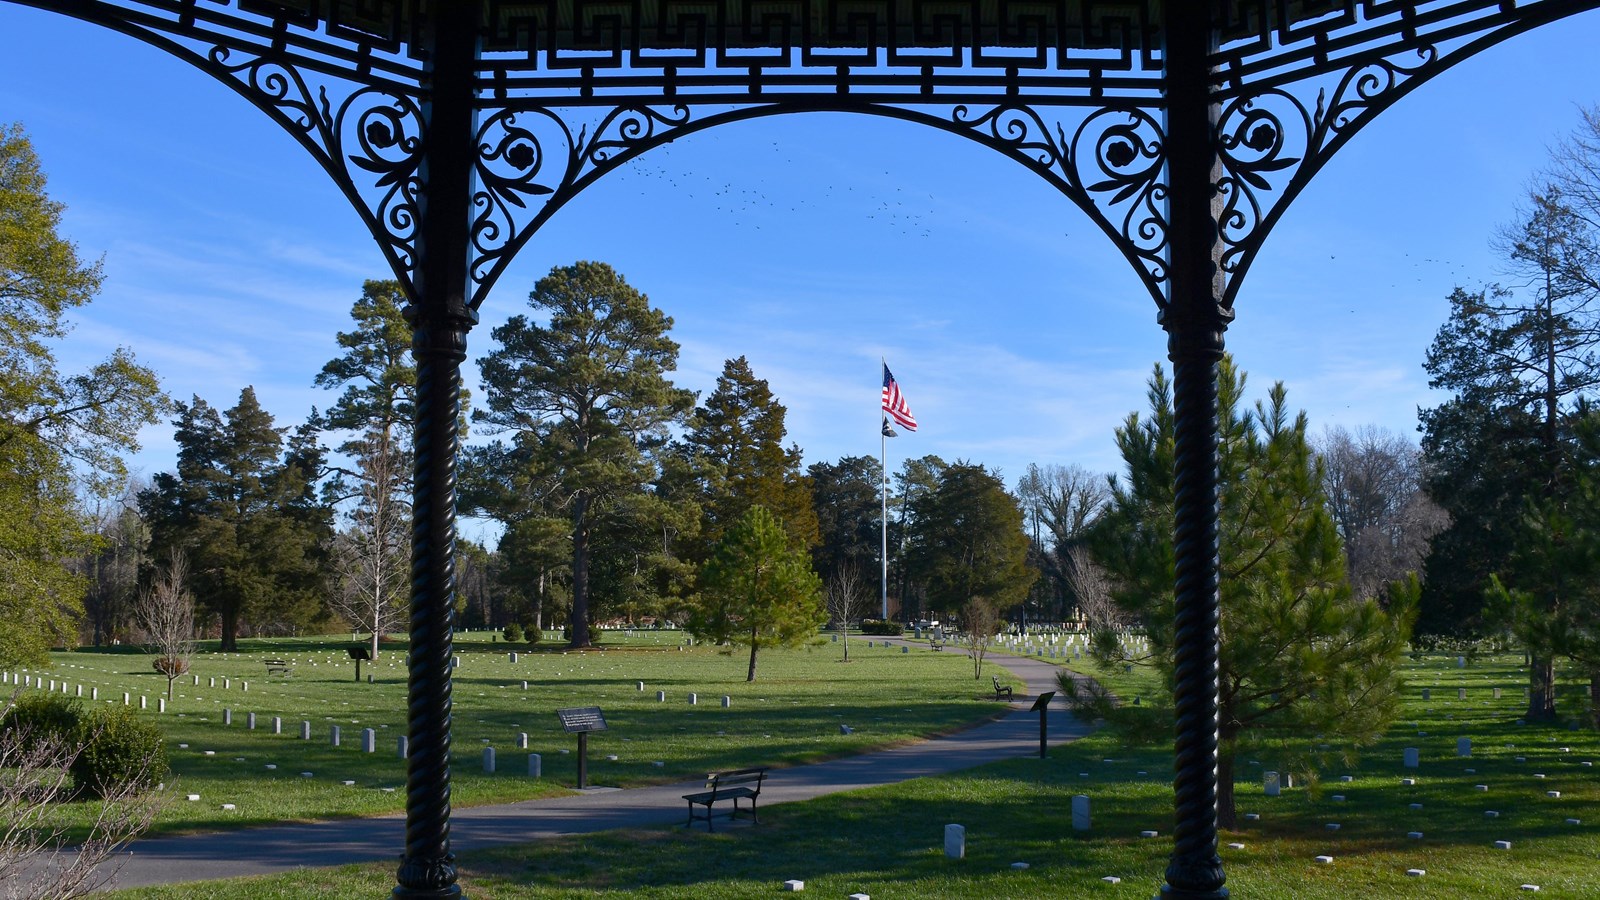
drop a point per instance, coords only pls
(581, 720)
(359, 653)
(1042, 706)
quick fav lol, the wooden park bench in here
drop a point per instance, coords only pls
(1000, 690)
(936, 645)
(727, 786)
(278, 665)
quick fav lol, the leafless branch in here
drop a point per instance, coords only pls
(36, 860)
(846, 597)
(166, 616)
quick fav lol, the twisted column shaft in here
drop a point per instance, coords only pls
(1194, 319)
(428, 867)
(440, 318)
(1195, 870)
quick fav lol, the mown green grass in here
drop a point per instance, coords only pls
(789, 716)
(887, 842)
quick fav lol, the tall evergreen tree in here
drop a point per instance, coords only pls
(738, 434)
(250, 522)
(968, 544)
(1301, 660)
(60, 433)
(509, 485)
(587, 399)
(847, 500)
(1519, 361)
(917, 479)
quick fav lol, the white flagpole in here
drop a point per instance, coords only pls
(883, 462)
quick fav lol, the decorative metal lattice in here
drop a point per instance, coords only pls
(569, 89)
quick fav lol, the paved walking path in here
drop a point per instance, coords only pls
(261, 851)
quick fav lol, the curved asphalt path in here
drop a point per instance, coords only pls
(264, 851)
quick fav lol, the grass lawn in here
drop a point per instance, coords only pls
(789, 716)
(888, 842)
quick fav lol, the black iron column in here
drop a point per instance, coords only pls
(439, 318)
(1194, 320)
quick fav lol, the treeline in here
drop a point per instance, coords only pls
(615, 490)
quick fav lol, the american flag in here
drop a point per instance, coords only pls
(894, 402)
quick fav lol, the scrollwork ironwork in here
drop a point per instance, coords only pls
(531, 161)
(1271, 144)
(370, 142)
(1111, 165)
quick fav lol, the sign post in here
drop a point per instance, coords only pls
(358, 653)
(581, 720)
(1042, 705)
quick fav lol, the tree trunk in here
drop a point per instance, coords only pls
(754, 643)
(538, 603)
(1594, 699)
(1541, 689)
(1227, 816)
(580, 572)
(230, 630)
(375, 636)
(170, 680)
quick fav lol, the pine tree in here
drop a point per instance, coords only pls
(758, 589)
(1302, 662)
(917, 478)
(587, 400)
(1549, 591)
(846, 498)
(1519, 362)
(968, 543)
(737, 437)
(251, 524)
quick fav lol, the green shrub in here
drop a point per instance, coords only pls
(38, 716)
(532, 634)
(879, 626)
(513, 633)
(120, 750)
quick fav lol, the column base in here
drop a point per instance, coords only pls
(418, 877)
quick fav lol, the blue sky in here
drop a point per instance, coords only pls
(813, 245)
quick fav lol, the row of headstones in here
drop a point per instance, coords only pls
(23, 679)
(1461, 693)
(39, 682)
(369, 741)
(661, 696)
(1054, 647)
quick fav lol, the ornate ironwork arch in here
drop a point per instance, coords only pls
(357, 111)
(1184, 128)
(1107, 160)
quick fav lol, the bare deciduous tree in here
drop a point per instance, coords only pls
(847, 600)
(1092, 586)
(1373, 483)
(166, 616)
(371, 559)
(981, 622)
(36, 860)
(1064, 500)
